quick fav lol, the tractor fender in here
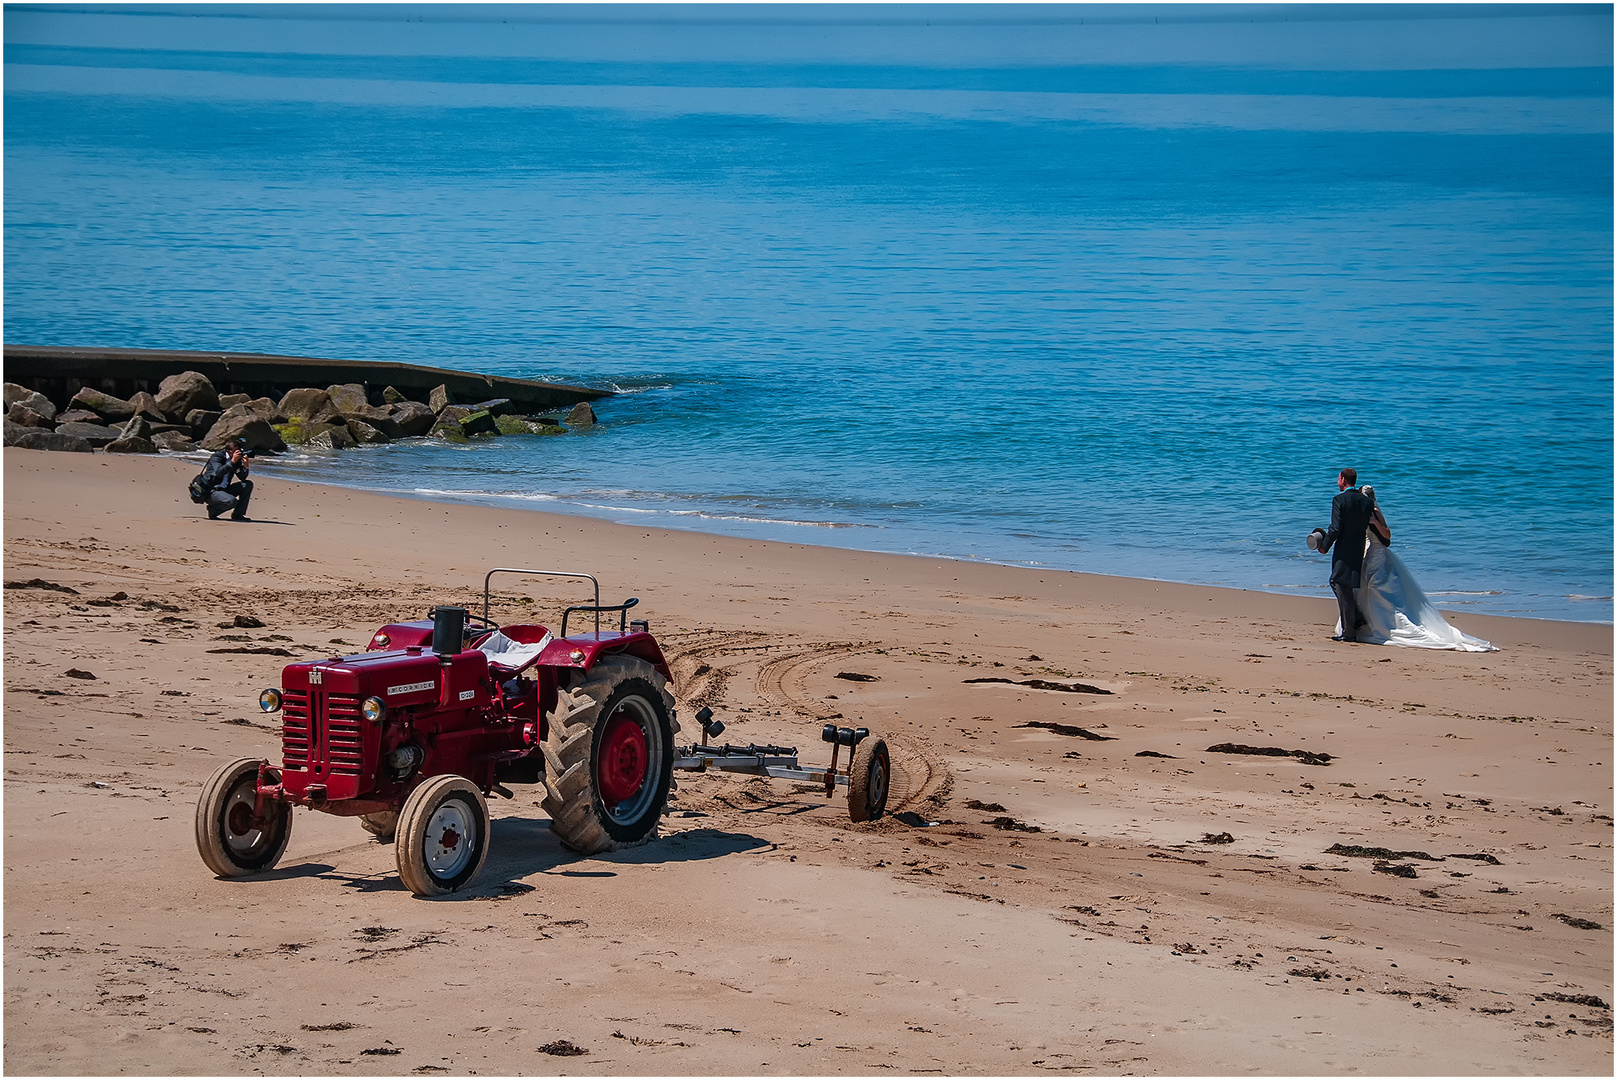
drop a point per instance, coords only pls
(585, 650)
(402, 635)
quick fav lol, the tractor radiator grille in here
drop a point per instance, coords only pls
(345, 745)
(295, 730)
(320, 733)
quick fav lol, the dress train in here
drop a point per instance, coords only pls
(1396, 612)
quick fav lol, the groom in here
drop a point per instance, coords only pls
(1350, 516)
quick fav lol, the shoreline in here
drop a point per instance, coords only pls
(1120, 584)
(1078, 879)
(514, 503)
(190, 416)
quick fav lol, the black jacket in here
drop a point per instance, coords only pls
(1350, 517)
(220, 470)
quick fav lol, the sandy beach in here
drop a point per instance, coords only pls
(1066, 881)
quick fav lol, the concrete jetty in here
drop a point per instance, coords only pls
(59, 372)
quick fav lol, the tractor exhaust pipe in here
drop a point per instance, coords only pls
(448, 631)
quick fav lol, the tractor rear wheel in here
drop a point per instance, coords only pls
(381, 824)
(609, 756)
(228, 839)
(868, 781)
(442, 836)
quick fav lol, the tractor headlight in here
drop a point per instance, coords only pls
(381, 640)
(373, 709)
(269, 700)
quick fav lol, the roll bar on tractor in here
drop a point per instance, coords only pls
(622, 609)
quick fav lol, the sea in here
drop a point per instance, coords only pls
(1113, 288)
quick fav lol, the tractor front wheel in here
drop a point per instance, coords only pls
(229, 839)
(609, 756)
(442, 836)
(868, 781)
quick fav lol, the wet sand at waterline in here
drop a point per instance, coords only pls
(1066, 881)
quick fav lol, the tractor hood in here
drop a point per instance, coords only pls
(400, 677)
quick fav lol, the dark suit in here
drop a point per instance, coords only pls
(1350, 517)
(223, 494)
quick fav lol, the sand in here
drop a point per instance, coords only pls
(765, 933)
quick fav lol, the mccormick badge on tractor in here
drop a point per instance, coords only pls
(413, 736)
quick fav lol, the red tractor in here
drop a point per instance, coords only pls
(412, 737)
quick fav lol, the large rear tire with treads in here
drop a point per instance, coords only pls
(609, 756)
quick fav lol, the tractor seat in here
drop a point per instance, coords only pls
(514, 647)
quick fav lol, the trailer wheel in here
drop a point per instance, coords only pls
(609, 756)
(227, 839)
(872, 773)
(442, 836)
(381, 824)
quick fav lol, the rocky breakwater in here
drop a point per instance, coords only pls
(187, 413)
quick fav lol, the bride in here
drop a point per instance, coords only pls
(1395, 610)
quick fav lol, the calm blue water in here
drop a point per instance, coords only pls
(1012, 287)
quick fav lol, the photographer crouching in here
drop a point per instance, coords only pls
(220, 491)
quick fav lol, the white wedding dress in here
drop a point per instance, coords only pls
(1395, 610)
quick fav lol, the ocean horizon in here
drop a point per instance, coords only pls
(1094, 288)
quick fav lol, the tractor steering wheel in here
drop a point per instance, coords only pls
(476, 625)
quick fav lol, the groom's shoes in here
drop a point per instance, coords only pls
(1350, 641)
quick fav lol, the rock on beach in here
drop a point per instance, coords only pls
(131, 444)
(39, 439)
(201, 421)
(379, 419)
(105, 406)
(333, 438)
(188, 413)
(22, 413)
(179, 394)
(174, 441)
(146, 405)
(31, 400)
(308, 405)
(412, 418)
(348, 397)
(96, 435)
(363, 433)
(254, 431)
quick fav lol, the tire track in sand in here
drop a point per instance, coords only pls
(697, 682)
(781, 679)
(700, 679)
(920, 781)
